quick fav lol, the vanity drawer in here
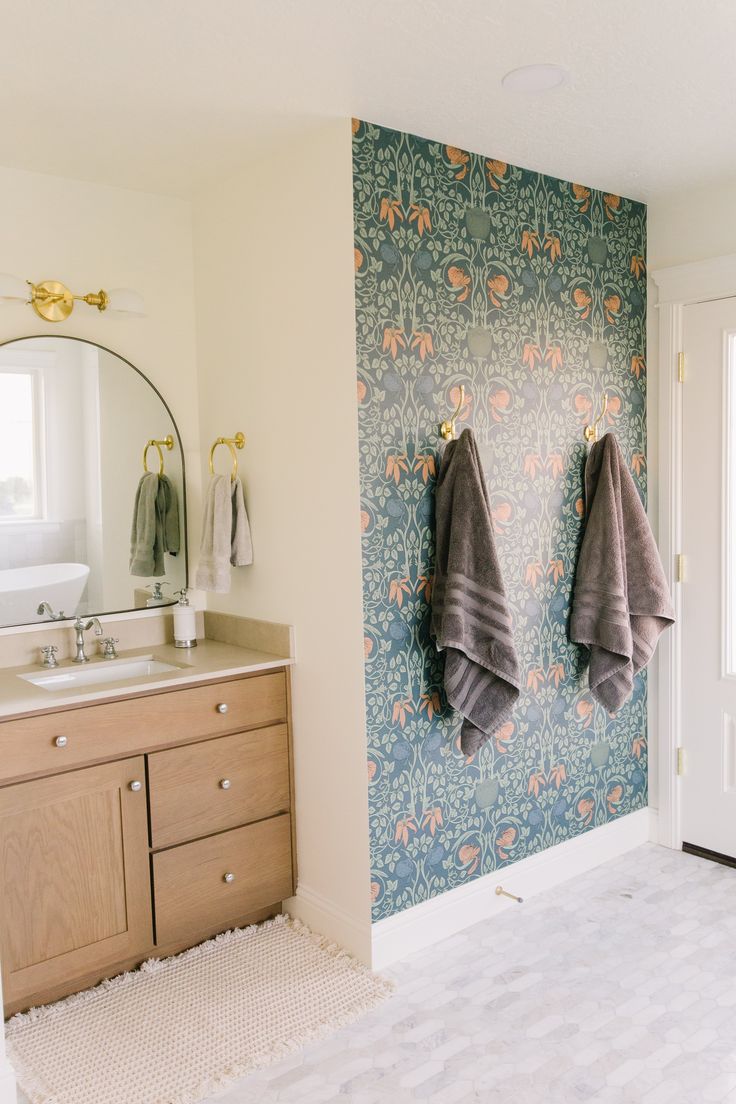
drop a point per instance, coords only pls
(199, 789)
(73, 737)
(191, 894)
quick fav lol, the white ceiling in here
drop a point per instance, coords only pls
(167, 95)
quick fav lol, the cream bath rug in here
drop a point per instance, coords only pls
(179, 1029)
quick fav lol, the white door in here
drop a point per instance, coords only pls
(708, 807)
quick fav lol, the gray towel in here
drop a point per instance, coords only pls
(621, 601)
(241, 545)
(213, 570)
(155, 528)
(470, 616)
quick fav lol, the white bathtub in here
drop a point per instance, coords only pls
(22, 589)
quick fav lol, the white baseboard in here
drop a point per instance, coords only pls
(328, 919)
(429, 922)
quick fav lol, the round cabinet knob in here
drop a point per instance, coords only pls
(222, 707)
(135, 786)
(225, 783)
(61, 741)
(229, 878)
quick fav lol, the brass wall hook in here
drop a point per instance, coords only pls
(591, 431)
(447, 428)
(167, 442)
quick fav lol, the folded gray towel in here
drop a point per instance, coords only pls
(470, 616)
(213, 570)
(621, 602)
(167, 508)
(241, 545)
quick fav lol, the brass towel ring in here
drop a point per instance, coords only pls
(167, 442)
(591, 431)
(236, 442)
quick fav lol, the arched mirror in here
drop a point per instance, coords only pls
(79, 529)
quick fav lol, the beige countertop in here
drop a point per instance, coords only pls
(209, 660)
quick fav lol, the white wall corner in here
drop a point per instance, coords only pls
(327, 919)
(440, 917)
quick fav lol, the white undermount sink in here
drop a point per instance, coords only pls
(108, 670)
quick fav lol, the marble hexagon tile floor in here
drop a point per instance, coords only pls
(617, 987)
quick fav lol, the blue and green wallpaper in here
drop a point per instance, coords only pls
(531, 292)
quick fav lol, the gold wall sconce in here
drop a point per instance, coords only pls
(54, 302)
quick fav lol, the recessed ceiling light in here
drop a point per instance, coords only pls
(535, 78)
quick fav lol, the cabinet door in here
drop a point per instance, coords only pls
(74, 876)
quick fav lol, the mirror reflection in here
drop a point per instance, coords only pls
(92, 502)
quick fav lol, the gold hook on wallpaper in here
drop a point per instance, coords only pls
(447, 429)
(591, 431)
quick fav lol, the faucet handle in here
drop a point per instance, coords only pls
(48, 651)
(107, 644)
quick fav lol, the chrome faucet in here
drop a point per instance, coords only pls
(80, 627)
(46, 608)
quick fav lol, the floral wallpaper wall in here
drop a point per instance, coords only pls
(529, 291)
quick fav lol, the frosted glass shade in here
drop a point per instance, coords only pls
(13, 289)
(125, 301)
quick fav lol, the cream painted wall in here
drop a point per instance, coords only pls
(275, 346)
(91, 236)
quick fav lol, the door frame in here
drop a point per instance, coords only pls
(678, 287)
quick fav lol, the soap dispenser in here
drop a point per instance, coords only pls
(157, 598)
(185, 622)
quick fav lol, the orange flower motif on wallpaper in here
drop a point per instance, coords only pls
(554, 464)
(367, 646)
(536, 783)
(613, 798)
(375, 890)
(469, 857)
(638, 745)
(501, 516)
(579, 507)
(553, 357)
(372, 768)
(459, 280)
(424, 463)
(533, 572)
(420, 216)
(534, 678)
(638, 365)
(612, 205)
(393, 340)
(459, 160)
(638, 463)
(582, 197)
(557, 775)
(432, 819)
(585, 809)
(582, 301)
(505, 842)
(403, 828)
(556, 673)
(555, 570)
(531, 354)
(423, 343)
(355, 125)
(583, 405)
(424, 586)
(498, 402)
(496, 171)
(396, 466)
(529, 242)
(365, 520)
(584, 710)
(362, 391)
(553, 246)
(637, 266)
(498, 287)
(612, 304)
(402, 709)
(614, 409)
(357, 258)
(430, 704)
(391, 211)
(532, 464)
(503, 737)
(398, 590)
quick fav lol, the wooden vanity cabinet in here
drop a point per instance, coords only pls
(147, 837)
